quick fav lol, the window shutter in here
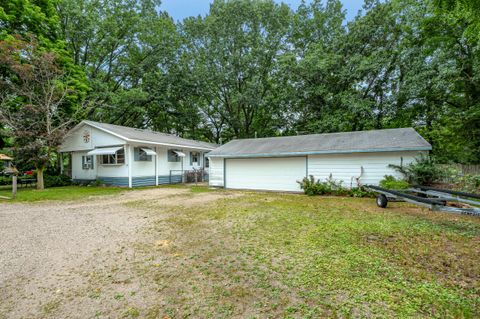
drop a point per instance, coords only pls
(191, 158)
(136, 153)
(83, 162)
(92, 158)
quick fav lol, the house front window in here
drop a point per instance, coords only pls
(114, 159)
(173, 156)
(140, 155)
(87, 162)
(194, 158)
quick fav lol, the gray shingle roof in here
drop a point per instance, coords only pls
(130, 133)
(400, 139)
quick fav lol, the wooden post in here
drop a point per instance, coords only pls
(14, 186)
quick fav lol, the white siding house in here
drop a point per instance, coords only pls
(354, 158)
(124, 156)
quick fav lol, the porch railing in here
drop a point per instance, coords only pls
(190, 176)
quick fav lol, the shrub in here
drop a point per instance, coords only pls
(390, 182)
(312, 187)
(57, 180)
(424, 171)
(360, 192)
(5, 180)
(468, 183)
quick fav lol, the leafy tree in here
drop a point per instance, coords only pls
(34, 102)
(39, 20)
(466, 11)
(257, 68)
(26, 17)
(120, 44)
(232, 55)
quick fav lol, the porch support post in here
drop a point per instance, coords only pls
(183, 173)
(60, 162)
(156, 167)
(129, 159)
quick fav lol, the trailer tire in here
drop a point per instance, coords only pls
(382, 201)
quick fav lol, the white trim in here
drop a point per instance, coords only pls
(156, 167)
(130, 163)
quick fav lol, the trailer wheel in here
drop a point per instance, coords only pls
(382, 201)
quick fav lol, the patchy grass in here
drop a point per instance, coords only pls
(202, 189)
(50, 307)
(60, 193)
(274, 255)
(224, 254)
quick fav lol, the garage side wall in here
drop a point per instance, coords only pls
(348, 167)
(216, 172)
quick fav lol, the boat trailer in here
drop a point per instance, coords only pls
(435, 199)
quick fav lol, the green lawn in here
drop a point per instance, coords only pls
(59, 193)
(290, 256)
(81, 192)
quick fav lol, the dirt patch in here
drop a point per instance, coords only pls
(63, 259)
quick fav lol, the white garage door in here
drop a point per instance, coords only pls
(279, 174)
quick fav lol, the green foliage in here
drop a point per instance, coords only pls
(468, 183)
(462, 182)
(57, 180)
(390, 182)
(360, 192)
(5, 180)
(330, 186)
(49, 180)
(233, 56)
(423, 171)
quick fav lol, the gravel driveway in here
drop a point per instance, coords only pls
(46, 249)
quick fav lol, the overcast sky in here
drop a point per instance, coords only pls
(180, 9)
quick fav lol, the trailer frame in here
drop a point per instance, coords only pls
(433, 198)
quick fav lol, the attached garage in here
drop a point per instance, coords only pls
(277, 163)
(277, 174)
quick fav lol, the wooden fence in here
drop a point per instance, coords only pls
(463, 169)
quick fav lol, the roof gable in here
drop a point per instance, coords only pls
(146, 136)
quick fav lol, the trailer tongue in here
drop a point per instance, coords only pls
(434, 198)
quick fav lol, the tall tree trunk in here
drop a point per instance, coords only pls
(40, 184)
